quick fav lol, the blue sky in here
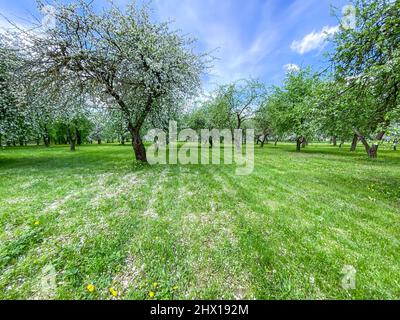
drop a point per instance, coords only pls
(253, 38)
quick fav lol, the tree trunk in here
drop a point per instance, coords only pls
(239, 121)
(264, 140)
(46, 141)
(78, 137)
(334, 141)
(98, 141)
(276, 142)
(304, 143)
(354, 143)
(299, 142)
(72, 144)
(373, 151)
(72, 139)
(211, 142)
(138, 147)
(137, 144)
(365, 143)
(46, 137)
(123, 140)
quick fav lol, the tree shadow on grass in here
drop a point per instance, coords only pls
(385, 157)
(45, 160)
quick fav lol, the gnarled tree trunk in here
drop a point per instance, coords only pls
(138, 147)
(372, 151)
(354, 143)
(264, 141)
(137, 144)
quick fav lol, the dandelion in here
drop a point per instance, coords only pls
(113, 292)
(37, 223)
(90, 288)
(151, 294)
(175, 288)
(155, 284)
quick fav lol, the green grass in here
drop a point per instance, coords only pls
(284, 232)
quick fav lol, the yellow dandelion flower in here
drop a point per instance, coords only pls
(90, 288)
(155, 284)
(175, 288)
(113, 292)
(151, 294)
(37, 223)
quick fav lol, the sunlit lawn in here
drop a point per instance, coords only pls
(185, 232)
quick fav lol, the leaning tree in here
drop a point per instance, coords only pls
(263, 123)
(292, 107)
(119, 56)
(367, 59)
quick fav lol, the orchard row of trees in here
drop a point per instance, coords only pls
(357, 101)
(25, 123)
(113, 74)
(118, 63)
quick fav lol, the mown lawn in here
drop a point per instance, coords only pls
(184, 232)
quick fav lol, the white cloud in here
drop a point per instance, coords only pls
(290, 67)
(239, 54)
(314, 40)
